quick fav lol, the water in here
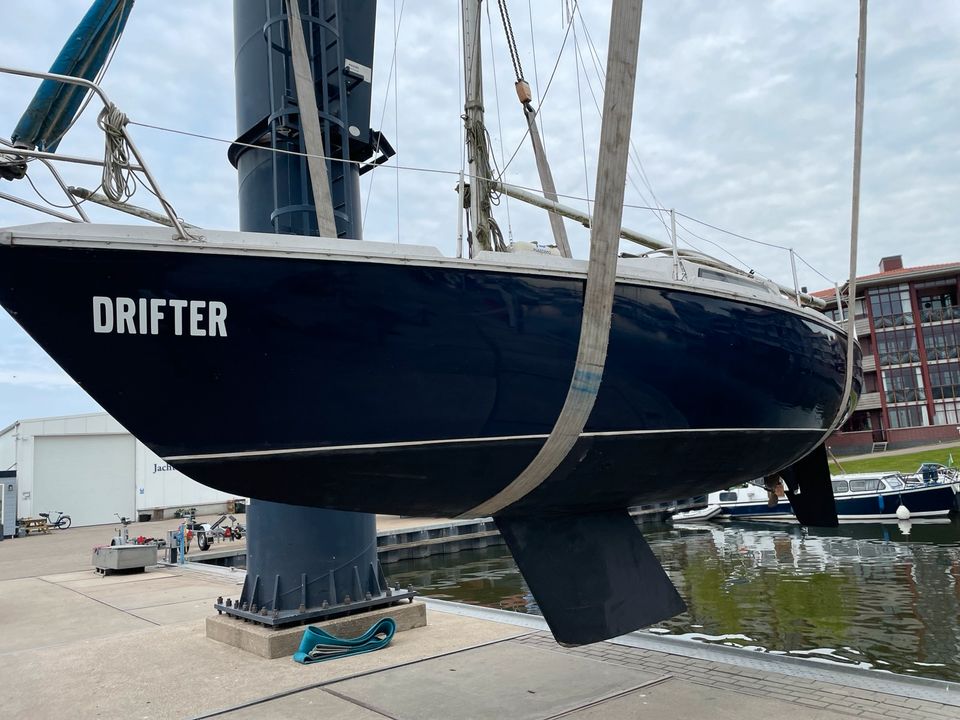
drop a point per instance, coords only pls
(874, 595)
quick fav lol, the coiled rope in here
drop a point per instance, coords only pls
(118, 183)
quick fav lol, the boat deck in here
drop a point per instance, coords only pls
(134, 646)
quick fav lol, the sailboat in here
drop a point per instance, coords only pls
(383, 378)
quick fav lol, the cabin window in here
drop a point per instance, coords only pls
(724, 277)
(840, 486)
(862, 485)
(728, 497)
(893, 483)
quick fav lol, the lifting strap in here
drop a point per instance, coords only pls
(602, 270)
(310, 123)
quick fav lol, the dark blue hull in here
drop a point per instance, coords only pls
(424, 389)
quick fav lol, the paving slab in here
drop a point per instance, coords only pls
(307, 705)
(170, 613)
(680, 700)
(174, 671)
(504, 680)
(92, 579)
(38, 613)
(178, 589)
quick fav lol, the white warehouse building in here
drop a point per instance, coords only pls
(92, 469)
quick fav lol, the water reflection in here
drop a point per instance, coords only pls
(874, 595)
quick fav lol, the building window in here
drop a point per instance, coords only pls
(903, 385)
(891, 306)
(938, 300)
(945, 381)
(946, 413)
(908, 416)
(858, 422)
(897, 347)
(835, 314)
(942, 342)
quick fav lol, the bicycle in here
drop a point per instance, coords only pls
(62, 522)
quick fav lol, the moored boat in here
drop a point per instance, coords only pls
(707, 512)
(859, 497)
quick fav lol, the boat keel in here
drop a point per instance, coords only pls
(810, 490)
(592, 574)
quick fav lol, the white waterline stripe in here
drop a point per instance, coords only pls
(454, 441)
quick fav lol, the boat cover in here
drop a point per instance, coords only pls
(52, 109)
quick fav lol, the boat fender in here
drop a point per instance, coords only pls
(903, 513)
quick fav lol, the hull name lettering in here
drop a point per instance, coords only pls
(158, 316)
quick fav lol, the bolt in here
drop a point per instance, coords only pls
(325, 605)
(229, 602)
(346, 600)
(245, 607)
(276, 614)
(264, 611)
(302, 608)
(253, 608)
(220, 600)
(369, 596)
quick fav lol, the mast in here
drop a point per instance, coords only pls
(476, 136)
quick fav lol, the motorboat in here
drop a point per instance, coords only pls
(859, 497)
(708, 512)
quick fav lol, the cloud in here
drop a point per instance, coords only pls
(743, 118)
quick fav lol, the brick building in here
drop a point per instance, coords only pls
(908, 323)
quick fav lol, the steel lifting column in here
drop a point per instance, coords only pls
(303, 562)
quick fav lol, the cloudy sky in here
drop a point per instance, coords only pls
(743, 120)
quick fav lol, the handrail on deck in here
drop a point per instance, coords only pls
(182, 234)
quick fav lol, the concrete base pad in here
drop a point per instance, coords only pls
(273, 643)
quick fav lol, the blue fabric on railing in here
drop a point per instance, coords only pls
(318, 645)
(52, 109)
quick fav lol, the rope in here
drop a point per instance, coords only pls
(118, 182)
(318, 645)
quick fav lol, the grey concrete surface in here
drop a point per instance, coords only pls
(677, 700)
(307, 705)
(497, 681)
(135, 647)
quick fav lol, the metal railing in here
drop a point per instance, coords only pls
(46, 156)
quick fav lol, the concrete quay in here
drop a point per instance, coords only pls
(134, 646)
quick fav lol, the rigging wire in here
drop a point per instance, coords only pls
(496, 95)
(633, 154)
(630, 156)
(536, 74)
(583, 137)
(553, 74)
(396, 109)
(715, 244)
(456, 174)
(383, 114)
